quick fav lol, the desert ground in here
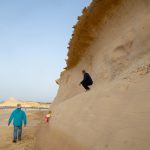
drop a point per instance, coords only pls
(34, 119)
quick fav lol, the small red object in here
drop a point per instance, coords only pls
(46, 119)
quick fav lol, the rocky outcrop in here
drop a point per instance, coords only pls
(112, 42)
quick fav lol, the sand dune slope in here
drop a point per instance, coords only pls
(112, 42)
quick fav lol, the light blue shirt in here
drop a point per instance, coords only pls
(18, 116)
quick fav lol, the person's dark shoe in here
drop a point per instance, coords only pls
(87, 90)
(19, 139)
(14, 141)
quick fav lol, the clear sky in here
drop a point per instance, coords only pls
(34, 36)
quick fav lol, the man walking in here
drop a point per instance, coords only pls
(87, 80)
(19, 117)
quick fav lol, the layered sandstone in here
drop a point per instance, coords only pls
(112, 42)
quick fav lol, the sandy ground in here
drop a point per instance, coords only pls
(29, 132)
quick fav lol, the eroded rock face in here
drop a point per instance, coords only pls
(112, 42)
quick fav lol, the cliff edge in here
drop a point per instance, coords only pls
(112, 42)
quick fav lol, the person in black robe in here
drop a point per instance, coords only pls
(87, 80)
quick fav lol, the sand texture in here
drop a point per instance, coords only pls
(112, 42)
(34, 118)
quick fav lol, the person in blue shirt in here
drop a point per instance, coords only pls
(19, 117)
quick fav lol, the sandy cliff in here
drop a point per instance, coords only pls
(112, 42)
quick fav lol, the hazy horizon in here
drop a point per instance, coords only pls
(34, 36)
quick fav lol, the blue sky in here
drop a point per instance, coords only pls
(34, 36)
